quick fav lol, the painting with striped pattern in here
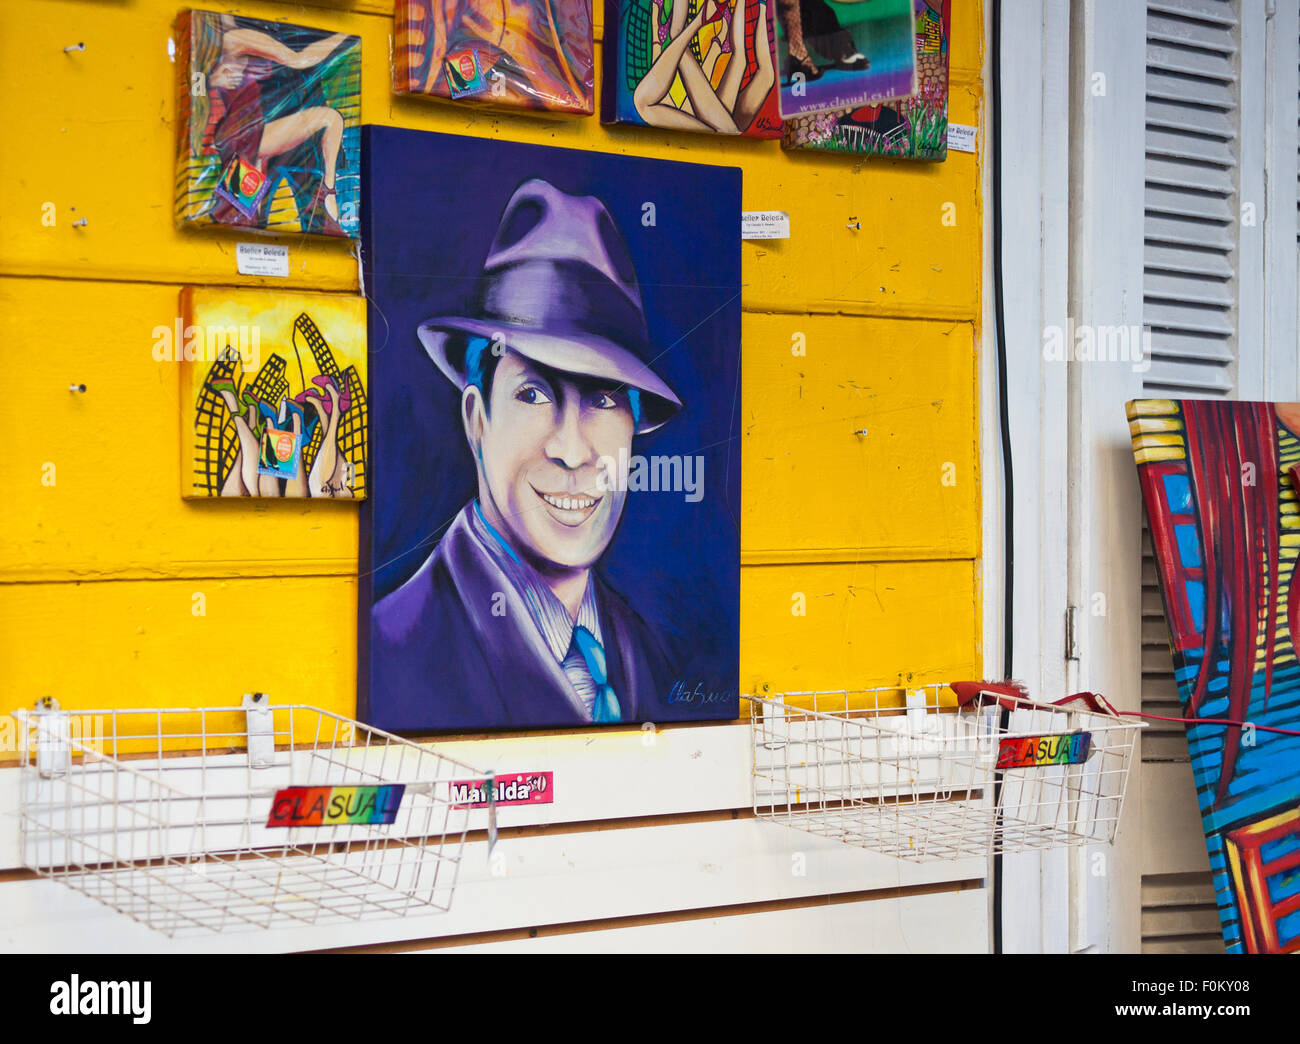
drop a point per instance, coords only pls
(506, 54)
(268, 121)
(1219, 481)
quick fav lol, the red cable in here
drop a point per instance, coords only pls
(1011, 695)
(1212, 721)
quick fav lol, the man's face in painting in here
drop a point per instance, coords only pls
(539, 440)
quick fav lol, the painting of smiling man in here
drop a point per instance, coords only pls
(554, 541)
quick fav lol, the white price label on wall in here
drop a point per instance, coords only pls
(961, 137)
(262, 259)
(764, 224)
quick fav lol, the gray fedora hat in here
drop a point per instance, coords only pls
(558, 287)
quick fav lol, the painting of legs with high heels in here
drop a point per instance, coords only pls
(692, 65)
(273, 394)
(911, 128)
(269, 116)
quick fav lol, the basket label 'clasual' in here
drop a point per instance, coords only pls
(335, 806)
(1032, 751)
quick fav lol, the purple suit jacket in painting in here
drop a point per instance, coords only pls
(443, 658)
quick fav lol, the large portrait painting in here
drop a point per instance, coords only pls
(267, 125)
(553, 539)
(1219, 480)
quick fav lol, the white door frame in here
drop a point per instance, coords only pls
(1072, 184)
(1035, 241)
(1281, 363)
(1107, 178)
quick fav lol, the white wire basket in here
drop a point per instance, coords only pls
(928, 780)
(220, 819)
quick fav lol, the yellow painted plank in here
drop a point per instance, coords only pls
(811, 486)
(105, 143)
(143, 644)
(94, 478)
(868, 235)
(863, 625)
(98, 128)
(966, 57)
(908, 488)
(914, 248)
(379, 7)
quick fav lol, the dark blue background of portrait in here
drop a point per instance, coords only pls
(430, 208)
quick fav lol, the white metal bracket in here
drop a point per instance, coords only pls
(53, 738)
(260, 725)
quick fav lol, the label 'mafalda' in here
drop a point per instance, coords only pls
(514, 788)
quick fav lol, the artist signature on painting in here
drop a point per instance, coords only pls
(681, 692)
(766, 123)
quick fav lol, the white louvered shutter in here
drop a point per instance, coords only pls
(1193, 124)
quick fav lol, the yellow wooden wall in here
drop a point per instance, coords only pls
(100, 559)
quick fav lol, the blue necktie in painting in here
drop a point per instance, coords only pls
(606, 707)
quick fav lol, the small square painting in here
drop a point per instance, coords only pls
(273, 394)
(267, 125)
(508, 54)
(836, 54)
(909, 128)
(692, 65)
